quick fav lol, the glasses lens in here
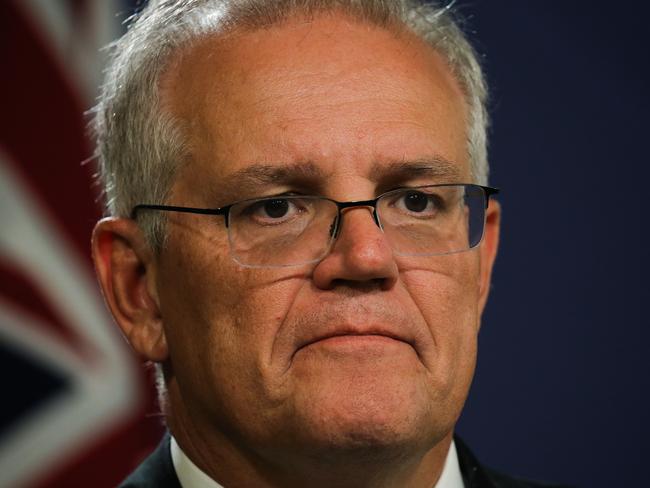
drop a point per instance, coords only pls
(433, 220)
(281, 231)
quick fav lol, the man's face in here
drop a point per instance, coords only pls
(364, 347)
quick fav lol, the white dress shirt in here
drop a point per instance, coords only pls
(190, 476)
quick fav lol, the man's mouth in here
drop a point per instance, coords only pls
(355, 337)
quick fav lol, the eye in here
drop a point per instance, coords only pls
(276, 208)
(418, 203)
(273, 211)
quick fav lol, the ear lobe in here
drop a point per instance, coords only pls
(126, 270)
(488, 250)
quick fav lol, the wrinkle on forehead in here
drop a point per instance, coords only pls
(221, 56)
(256, 179)
(255, 97)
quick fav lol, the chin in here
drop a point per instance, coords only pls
(377, 414)
(367, 439)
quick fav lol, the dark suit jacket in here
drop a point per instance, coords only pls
(157, 471)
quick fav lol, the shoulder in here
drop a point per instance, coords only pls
(155, 471)
(500, 480)
(477, 476)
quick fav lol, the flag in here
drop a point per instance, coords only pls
(77, 409)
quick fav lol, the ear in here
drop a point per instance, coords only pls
(126, 270)
(488, 250)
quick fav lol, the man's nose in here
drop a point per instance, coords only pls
(360, 253)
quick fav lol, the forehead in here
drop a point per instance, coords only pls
(344, 96)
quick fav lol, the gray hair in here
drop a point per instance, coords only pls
(140, 145)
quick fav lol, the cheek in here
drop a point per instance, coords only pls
(446, 292)
(446, 288)
(222, 319)
(193, 295)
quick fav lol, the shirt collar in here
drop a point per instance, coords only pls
(451, 476)
(191, 476)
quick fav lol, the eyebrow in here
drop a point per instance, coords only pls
(255, 178)
(251, 179)
(434, 167)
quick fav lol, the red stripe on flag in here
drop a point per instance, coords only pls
(42, 129)
(42, 126)
(17, 289)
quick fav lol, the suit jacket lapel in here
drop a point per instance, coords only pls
(157, 471)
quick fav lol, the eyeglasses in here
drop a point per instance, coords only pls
(291, 230)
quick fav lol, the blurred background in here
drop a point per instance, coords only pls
(561, 387)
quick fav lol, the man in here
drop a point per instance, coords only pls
(298, 238)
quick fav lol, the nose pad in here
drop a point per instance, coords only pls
(361, 255)
(335, 228)
(375, 217)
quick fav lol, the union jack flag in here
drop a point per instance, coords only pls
(74, 400)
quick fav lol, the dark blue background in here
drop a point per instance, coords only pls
(560, 391)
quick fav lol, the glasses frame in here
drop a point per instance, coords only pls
(372, 203)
